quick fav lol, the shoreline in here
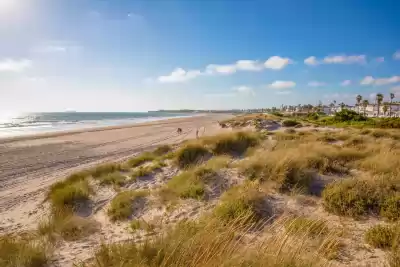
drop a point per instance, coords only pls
(35, 136)
(30, 164)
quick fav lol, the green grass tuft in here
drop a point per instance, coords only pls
(381, 236)
(69, 195)
(114, 178)
(122, 205)
(241, 201)
(142, 158)
(190, 155)
(234, 143)
(16, 252)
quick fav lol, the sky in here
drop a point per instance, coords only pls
(121, 55)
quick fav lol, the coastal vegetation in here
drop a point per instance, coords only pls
(257, 194)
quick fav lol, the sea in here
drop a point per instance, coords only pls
(50, 122)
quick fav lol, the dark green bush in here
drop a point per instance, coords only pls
(290, 123)
(346, 115)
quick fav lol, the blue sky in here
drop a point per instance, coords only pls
(120, 55)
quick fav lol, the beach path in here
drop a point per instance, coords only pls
(29, 165)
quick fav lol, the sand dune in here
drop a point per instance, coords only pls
(28, 165)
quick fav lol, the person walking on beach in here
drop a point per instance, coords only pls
(197, 133)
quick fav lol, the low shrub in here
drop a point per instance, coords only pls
(15, 251)
(190, 155)
(191, 183)
(234, 143)
(351, 197)
(358, 197)
(347, 115)
(388, 123)
(142, 158)
(123, 204)
(313, 116)
(290, 123)
(390, 207)
(381, 236)
(242, 202)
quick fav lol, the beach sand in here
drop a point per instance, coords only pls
(30, 164)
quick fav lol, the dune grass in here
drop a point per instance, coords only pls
(359, 197)
(104, 169)
(190, 183)
(17, 252)
(123, 204)
(140, 224)
(209, 242)
(233, 143)
(67, 226)
(142, 158)
(114, 178)
(307, 226)
(383, 236)
(242, 201)
(191, 155)
(67, 194)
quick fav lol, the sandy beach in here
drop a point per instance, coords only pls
(29, 164)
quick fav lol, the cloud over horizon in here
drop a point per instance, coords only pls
(13, 65)
(369, 80)
(181, 75)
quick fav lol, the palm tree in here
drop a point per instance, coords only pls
(365, 104)
(358, 98)
(342, 105)
(385, 109)
(379, 99)
(390, 108)
(331, 105)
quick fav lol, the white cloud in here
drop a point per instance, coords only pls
(380, 59)
(396, 55)
(282, 85)
(369, 80)
(244, 90)
(311, 61)
(12, 65)
(345, 83)
(179, 75)
(316, 84)
(249, 65)
(220, 69)
(277, 63)
(343, 59)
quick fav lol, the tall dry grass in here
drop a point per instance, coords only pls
(210, 243)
